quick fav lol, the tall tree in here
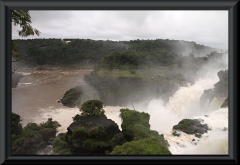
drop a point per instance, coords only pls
(23, 19)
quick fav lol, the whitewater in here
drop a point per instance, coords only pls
(163, 116)
(29, 96)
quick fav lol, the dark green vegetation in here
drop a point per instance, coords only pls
(220, 89)
(92, 108)
(174, 133)
(22, 18)
(56, 52)
(148, 146)
(132, 120)
(27, 140)
(122, 78)
(191, 126)
(72, 97)
(121, 87)
(61, 147)
(126, 71)
(91, 133)
(130, 59)
(16, 126)
(141, 140)
(185, 124)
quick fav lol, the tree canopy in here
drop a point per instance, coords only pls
(23, 19)
(92, 108)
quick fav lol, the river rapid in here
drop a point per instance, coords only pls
(35, 100)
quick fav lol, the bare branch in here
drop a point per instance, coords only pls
(133, 107)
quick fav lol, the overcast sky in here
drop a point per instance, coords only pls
(209, 28)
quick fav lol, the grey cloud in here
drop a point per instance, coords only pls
(204, 27)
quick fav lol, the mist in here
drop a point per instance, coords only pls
(183, 83)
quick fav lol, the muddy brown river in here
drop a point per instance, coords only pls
(35, 97)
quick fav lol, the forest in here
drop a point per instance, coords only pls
(61, 51)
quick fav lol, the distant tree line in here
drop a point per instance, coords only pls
(131, 60)
(56, 51)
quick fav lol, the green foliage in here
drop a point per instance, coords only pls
(50, 124)
(117, 54)
(96, 131)
(140, 131)
(28, 136)
(132, 60)
(23, 19)
(69, 138)
(92, 108)
(31, 127)
(130, 118)
(16, 127)
(174, 133)
(59, 145)
(116, 138)
(91, 144)
(77, 117)
(72, 97)
(117, 60)
(65, 152)
(147, 146)
(185, 124)
(15, 54)
(79, 132)
(18, 141)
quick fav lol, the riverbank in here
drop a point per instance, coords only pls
(22, 71)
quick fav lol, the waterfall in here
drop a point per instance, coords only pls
(215, 104)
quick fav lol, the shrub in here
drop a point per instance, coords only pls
(69, 138)
(116, 139)
(58, 145)
(185, 124)
(18, 142)
(77, 117)
(140, 132)
(130, 118)
(50, 124)
(91, 144)
(92, 108)
(79, 132)
(32, 127)
(174, 133)
(72, 97)
(96, 131)
(147, 146)
(65, 152)
(16, 126)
